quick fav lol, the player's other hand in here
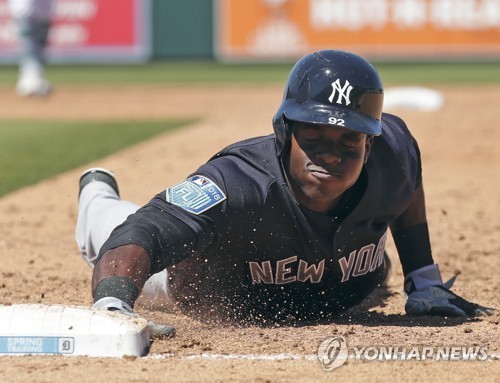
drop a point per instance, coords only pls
(438, 300)
(427, 295)
(156, 331)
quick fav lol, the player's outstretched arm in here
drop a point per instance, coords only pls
(118, 278)
(426, 293)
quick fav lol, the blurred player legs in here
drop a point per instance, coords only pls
(100, 210)
(33, 19)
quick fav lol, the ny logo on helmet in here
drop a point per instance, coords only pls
(344, 92)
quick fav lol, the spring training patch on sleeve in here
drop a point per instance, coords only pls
(196, 194)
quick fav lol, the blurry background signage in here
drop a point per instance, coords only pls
(376, 28)
(89, 30)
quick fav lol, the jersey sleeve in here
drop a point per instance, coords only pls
(168, 234)
(171, 231)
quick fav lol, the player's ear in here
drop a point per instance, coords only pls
(368, 146)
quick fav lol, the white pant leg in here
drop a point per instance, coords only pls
(100, 210)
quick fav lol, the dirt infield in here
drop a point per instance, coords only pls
(40, 261)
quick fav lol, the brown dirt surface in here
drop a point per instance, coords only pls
(40, 262)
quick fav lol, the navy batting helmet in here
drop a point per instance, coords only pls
(334, 88)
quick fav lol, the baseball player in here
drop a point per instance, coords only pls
(289, 227)
(33, 19)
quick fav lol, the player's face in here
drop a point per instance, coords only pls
(324, 162)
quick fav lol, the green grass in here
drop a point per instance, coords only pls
(211, 73)
(190, 73)
(33, 151)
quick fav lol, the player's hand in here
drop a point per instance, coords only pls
(427, 295)
(438, 300)
(156, 331)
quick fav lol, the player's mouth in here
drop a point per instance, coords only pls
(323, 174)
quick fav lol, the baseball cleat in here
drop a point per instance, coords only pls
(99, 175)
(32, 81)
(33, 87)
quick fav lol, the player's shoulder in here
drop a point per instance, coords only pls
(244, 172)
(392, 122)
(253, 155)
(396, 144)
(244, 163)
(395, 131)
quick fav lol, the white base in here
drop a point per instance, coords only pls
(413, 98)
(27, 329)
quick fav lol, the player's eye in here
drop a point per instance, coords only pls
(350, 141)
(309, 134)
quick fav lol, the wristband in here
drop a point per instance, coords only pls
(111, 303)
(422, 278)
(119, 287)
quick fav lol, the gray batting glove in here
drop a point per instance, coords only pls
(427, 295)
(156, 331)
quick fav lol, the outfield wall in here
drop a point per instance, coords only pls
(265, 30)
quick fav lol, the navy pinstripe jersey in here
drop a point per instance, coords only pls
(256, 254)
